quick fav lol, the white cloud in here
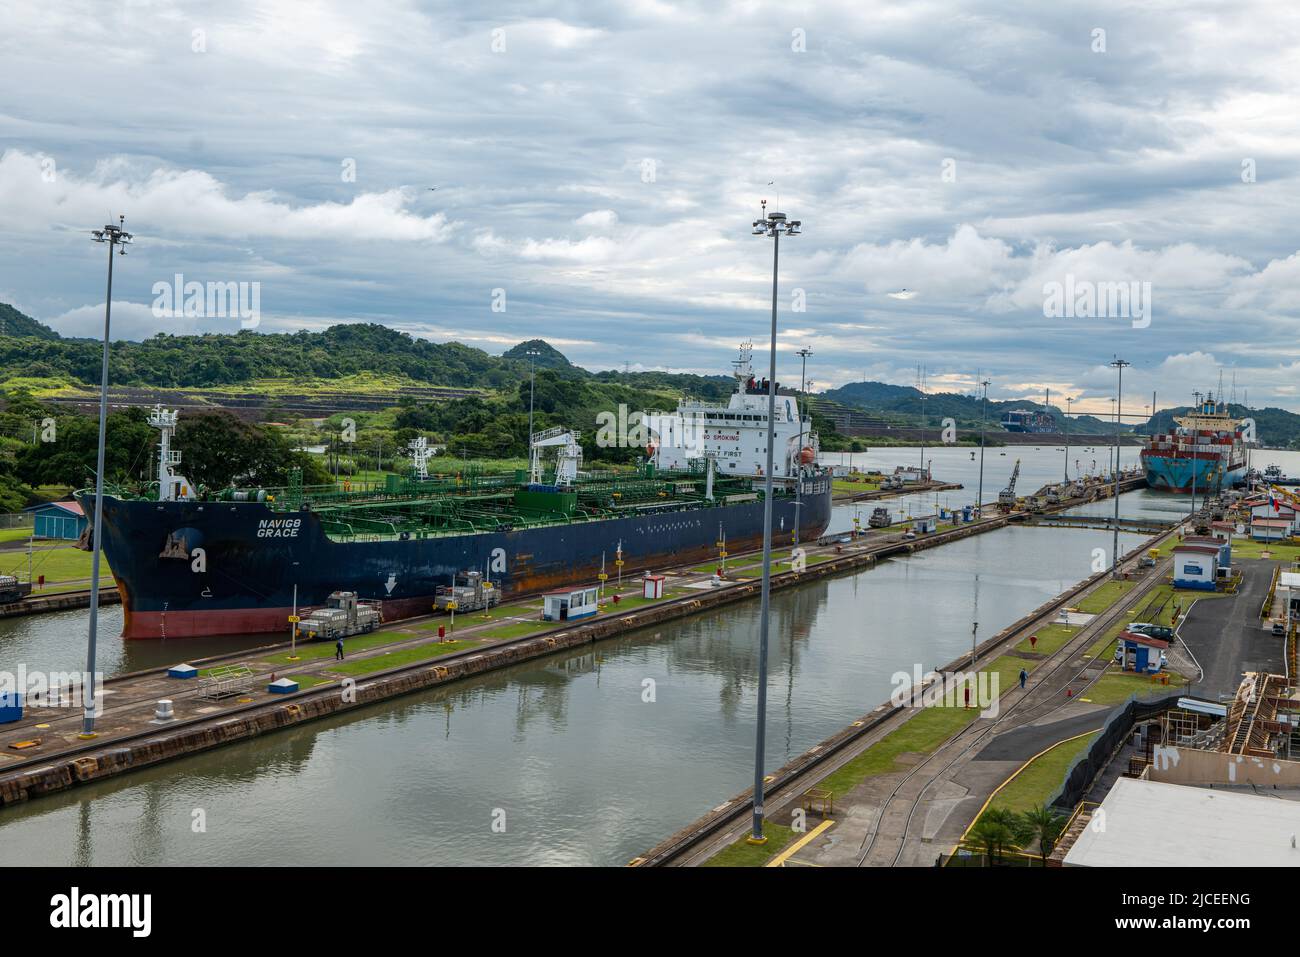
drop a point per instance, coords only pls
(227, 164)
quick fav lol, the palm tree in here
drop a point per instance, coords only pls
(988, 836)
(1044, 825)
(999, 829)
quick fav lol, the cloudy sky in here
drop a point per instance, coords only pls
(601, 164)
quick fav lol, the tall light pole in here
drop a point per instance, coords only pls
(1195, 444)
(979, 498)
(1068, 400)
(1112, 456)
(1118, 365)
(117, 238)
(921, 381)
(532, 381)
(803, 355)
(773, 225)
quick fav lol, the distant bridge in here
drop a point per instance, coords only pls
(1144, 526)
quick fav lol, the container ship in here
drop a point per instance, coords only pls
(1205, 453)
(243, 560)
(1023, 420)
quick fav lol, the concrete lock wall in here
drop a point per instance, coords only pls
(1189, 766)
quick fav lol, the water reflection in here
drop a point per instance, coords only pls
(585, 769)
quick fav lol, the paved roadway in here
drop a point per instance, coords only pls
(1227, 636)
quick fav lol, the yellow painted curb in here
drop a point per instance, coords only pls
(1014, 775)
(790, 851)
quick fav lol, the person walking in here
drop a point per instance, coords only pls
(338, 654)
(1024, 675)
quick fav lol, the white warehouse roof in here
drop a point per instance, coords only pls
(1153, 824)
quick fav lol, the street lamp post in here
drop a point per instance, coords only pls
(1068, 400)
(1118, 365)
(773, 225)
(532, 386)
(803, 355)
(921, 383)
(116, 237)
(979, 499)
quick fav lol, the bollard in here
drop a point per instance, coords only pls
(442, 632)
(164, 710)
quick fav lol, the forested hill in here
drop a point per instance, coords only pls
(905, 402)
(196, 361)
(29, 349)
(14, 323)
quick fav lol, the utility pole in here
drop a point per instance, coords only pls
(116, 237)
(979, 501)
(1068, 400)
(773, 225)
(1195, 438)
(803, 355)
(532, 386)
(920, 381)
(1119, 366)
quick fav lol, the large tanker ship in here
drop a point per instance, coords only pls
(1204, 454)
(192, 563)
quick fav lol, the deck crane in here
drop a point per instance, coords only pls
(1007, 497)
(567, 462)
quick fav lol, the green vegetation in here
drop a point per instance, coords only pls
(402, 656)
(743, 854)
(1281, 551)
(1000, 831)
(58, 563)
(920, 734)
(1050, 639)
(1040, 777)
(218, 449)
(1116, 687)
(516, 629)
(315, 650)
(1105, 596)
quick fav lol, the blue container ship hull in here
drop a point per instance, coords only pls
(214, 568)
(1169, 474)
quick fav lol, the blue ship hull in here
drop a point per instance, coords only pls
(214, 568)
(1168, 474)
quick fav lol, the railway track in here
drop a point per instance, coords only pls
(1026, 709)
(706, 837)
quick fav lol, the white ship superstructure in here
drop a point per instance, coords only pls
(734, 435)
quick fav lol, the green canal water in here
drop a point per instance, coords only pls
(558, 761)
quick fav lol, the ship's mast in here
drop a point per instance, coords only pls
(172, 486)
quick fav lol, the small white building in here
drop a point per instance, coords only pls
(567, 605)
(652, 586)
(924, 524)
(1272, 520)
(1196, 565)
(1270, 529)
